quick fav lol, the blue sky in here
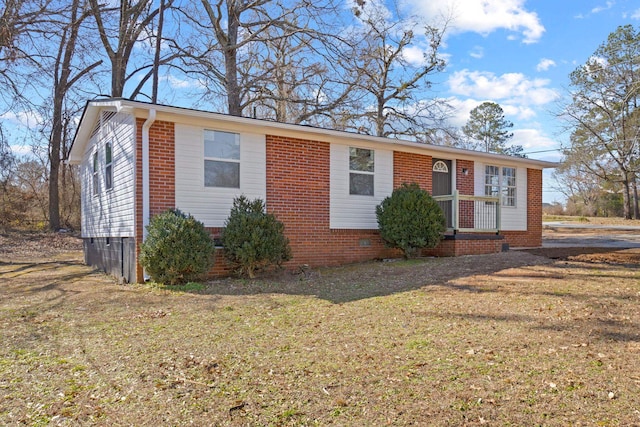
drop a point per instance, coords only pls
(520, 54)
(516, 53)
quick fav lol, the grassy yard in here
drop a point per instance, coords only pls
(506, 339)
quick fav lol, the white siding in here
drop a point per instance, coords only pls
(357, 212)
(110, 213)
(212, 205)
(513, 218)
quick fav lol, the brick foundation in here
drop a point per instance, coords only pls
(467, 244)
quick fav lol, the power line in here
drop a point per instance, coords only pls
(542, 151)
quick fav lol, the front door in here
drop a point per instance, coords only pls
(441, 186)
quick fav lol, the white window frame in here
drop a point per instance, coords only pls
(509, 189)
(95, 177)
(355, 172)
(496, 184)
(231, 160)
(108, 166)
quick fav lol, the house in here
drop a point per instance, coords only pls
(138, 159)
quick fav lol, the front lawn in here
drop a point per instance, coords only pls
(505, 339)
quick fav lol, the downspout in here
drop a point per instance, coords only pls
(145, 171)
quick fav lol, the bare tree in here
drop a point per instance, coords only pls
(300, 78)
(395, 86)
(21, 23)
(120, 29)
(235, 40)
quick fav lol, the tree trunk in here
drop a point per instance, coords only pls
(380, 117)
(231, 64)
(626, 199)
(55, 145)
(156, 57)
(636, 205)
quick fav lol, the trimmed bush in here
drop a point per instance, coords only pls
(177, 249)
(253, 239)
(410, 219)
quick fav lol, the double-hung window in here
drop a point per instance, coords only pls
(361, 171)
(501, 182)
(508, 186)
(221, 159)
(108, 166)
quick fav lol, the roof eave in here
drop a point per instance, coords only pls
(92, 109)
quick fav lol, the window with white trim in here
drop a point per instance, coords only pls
(501, 182)
(440, 166)
(94, 174)
(108, 166)
(221, 159)
(361, 171)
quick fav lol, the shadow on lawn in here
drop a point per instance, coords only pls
(367, 280)
(373, 279)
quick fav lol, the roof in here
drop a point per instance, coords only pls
(140, 109)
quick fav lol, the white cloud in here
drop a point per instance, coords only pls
(177, 83)
(414, 55)
(608, 5)
(21, 150)
(483, 17)
(462, 108)
(513, 88)
(635, 14)
(22, 118)
(545, 64)
(477, 52)
(533, 139)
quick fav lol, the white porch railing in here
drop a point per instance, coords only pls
(470, 213)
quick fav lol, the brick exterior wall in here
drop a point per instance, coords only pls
(533, 236)
(298, 195)
(412, 168)
(465, 183)
(461, 246)
(298, 186)
(162, 174)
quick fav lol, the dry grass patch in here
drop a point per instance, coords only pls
(505, 339)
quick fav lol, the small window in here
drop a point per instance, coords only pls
(108, 167)
(361, 171)
(221, 159)
(95, 178)
(492, 181)
(508, 186)
(501, 182)
(440, 166)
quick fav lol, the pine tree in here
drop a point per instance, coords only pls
(489, 128)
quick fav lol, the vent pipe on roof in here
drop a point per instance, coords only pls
(145, 171)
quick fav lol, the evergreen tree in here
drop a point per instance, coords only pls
(489, 128)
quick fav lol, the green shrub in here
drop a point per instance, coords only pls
(252, 238)
(410, 219)
(177, 249)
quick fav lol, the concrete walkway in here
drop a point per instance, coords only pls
(598, 236)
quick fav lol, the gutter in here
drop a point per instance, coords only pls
(145, 171)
